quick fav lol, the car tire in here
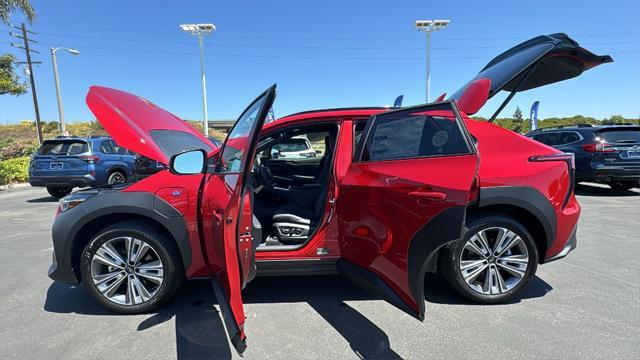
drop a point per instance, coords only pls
(145, 283)
(59, 192)
(116, 177)
(623, 185)
(462, 264)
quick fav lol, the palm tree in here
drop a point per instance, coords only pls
(7, 6)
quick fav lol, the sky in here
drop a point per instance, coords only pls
(321, 54)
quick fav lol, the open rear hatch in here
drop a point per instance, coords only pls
(142, 127)
(543, 60)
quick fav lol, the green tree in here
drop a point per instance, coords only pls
(10, 83)
(517, 120)
(8, 6)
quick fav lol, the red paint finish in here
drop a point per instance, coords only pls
(378, 215)
(178, 197)
(129, 119)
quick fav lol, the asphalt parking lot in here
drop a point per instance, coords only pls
(585, 306)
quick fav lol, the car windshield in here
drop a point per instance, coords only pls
(173, 142)
(620, 136)
(63, 147)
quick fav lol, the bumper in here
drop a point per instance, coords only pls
(570, 245)
(73, 180)
(610, 173)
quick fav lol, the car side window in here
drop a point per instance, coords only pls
(106, 147)
(569, 137)
(358, 128)
(414, 133)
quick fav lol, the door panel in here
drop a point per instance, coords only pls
(387, 209)
(227, 207)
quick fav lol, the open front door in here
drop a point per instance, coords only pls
(227, 216)
(403, 197)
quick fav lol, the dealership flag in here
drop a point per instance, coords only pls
(398, 102)
(533, 116)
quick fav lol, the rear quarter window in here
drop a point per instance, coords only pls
(415, 133)
(617, 136)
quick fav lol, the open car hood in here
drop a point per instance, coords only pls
(142, 127)
(543, 60)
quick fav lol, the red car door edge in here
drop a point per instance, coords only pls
(226, 205)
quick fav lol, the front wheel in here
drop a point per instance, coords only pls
(494, 260)
(130, 268)
(59, 192)
(623, 185)
(116, 177)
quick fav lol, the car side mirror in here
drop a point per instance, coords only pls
(188, 163)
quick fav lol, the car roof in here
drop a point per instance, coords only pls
(321, 114)
(581, 127)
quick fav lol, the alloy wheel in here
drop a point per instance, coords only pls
(127, 271)
(116, 178)
(494, 260)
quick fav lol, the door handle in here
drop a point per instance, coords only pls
(431, 195)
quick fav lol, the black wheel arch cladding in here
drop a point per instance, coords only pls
(117, 204)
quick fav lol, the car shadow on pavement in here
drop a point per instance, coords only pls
(437, 291)
(595, 190)
(45, 199)
(200, 332)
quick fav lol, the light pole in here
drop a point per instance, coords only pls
(428, 26)
(54, 61)
(200, 30)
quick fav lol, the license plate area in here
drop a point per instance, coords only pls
(632, 154)
(56, 166)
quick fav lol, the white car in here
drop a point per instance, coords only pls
(297, 147)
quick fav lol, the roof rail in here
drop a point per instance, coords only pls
(573, 126)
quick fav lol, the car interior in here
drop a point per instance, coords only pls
(291, 183)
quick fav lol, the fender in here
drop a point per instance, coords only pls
(114, 203)
(527, 198)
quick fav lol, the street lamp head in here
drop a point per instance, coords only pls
(196, 29)
(73, 51)
(431, 25)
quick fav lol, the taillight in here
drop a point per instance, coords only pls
(90, 158)
(569, 158)
(597, 147)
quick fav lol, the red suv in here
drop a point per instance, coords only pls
(390, 194)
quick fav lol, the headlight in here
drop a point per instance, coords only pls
(72, 201)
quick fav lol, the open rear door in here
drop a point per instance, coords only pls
(227, 212)
(404, 196)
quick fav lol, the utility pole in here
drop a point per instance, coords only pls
(28, 51)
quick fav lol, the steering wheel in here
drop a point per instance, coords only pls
(264, 173)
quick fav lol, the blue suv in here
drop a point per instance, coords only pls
(67, 162)
(608, 154)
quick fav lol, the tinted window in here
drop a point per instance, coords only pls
(357, 133)
(233, 156)
(292, 145)
(501, 72)
(63, 147)
(557, 138)
(426, 131)
(172, 142)
(106, 147)
(615, 136)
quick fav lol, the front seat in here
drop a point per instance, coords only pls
(293, 223)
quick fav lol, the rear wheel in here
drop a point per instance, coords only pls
(494, 260)
(59, 192)
(623, 185)
(116, 177)
(130, 268)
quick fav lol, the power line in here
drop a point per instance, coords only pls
(325, 38)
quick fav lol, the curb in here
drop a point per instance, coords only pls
(14, 186)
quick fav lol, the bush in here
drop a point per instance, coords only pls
(17, 149)
(14, 170)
